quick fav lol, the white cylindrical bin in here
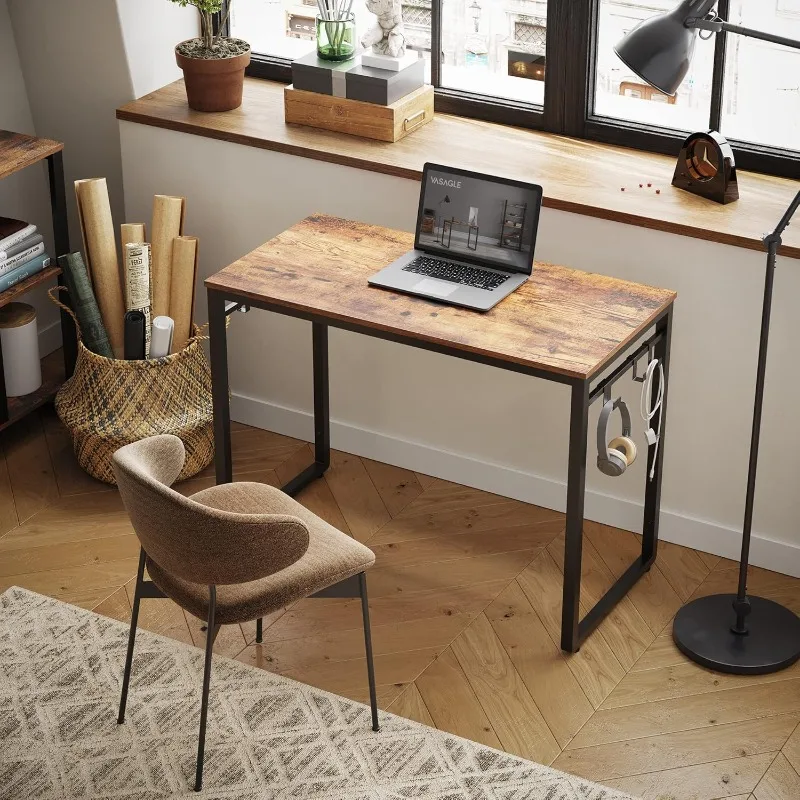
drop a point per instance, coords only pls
(20, 342)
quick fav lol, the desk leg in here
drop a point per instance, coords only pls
(322, 408)
(322, 413)
(652, 497)
(573, 544)
(219, 387)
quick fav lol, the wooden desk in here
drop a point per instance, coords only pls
(562, 325)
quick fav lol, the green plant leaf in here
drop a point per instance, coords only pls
(208, 6)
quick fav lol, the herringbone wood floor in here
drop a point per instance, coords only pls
(465, 602)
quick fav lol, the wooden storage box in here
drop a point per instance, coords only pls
(385, 123)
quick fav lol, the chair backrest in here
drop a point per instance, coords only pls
(192, 541)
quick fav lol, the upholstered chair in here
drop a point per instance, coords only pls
(228, 554)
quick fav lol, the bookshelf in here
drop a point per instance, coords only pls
(19, 151)
(513, 225)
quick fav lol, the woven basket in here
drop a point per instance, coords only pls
(108, 403)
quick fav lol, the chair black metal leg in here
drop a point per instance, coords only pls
(212, 606)
(126, 679)
(373, 698)
(259, 630)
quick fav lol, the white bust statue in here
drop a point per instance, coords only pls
(387, 36)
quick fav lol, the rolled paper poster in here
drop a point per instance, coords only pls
(136, 265)
(181, 300)
(83, 228)
(161, 337)
(101, 252)
(132, 233)
(84, 304)
(167, 225)
(135, 329)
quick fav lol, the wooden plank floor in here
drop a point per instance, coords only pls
(465, 600)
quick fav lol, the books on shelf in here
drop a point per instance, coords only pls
(16, 249)
(30, 267)
(14, 231)
(18, 260)
(22, 252)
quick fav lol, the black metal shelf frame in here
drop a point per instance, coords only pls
(58, 209)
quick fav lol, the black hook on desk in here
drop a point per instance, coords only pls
(231, 306)
(650, 355)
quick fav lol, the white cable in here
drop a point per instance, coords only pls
(647, 411)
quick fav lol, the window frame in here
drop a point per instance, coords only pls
(572, 32)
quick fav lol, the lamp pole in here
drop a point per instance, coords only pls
(764, 636)
(732, 633)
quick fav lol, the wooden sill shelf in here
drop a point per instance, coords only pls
(52, 378)
(18, 151)
(16, 291)
(578, 176)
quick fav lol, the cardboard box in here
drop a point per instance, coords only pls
(385, 123)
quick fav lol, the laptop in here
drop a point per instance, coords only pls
(474, 241)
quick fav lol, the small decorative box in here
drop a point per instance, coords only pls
(356, 81)
(313, 74)
(384, 86)
(385, 123)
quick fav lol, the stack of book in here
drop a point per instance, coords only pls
(21, 252)
(378, 97)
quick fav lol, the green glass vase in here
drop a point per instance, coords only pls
(336, 39)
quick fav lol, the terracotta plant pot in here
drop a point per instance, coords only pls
(213, 84)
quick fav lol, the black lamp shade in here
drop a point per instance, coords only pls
(660, 49)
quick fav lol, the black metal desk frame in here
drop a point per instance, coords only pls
(448, 223)
(573, 629)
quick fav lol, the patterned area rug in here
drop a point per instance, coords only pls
(269, 737)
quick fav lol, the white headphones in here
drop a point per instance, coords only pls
(648, 411)
(614, 457)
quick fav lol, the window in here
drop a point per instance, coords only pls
(762, 81)
(552, 66)
(418, 21)
(620, 93)
(494, 47)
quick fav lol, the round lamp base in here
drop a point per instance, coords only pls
(702, 631)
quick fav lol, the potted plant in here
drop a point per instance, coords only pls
(213, 65)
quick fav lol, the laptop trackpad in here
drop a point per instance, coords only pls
(436, 288)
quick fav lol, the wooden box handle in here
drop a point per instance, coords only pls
(407, 126)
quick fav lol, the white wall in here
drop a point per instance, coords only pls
(74, 63)
(150, 31)
(66, 66)
(24, 195)
(109, 53)
(428, 412)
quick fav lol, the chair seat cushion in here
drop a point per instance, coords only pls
(332, 556)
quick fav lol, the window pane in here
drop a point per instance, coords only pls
(761, 101)
(284, 28)
(495, 48)
(417, 21)
(621, 94)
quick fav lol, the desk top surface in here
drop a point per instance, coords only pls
(562, 320)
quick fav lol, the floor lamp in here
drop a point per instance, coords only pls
(733, 633)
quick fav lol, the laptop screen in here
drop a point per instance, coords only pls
(478, 218)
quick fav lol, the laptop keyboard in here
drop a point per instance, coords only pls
(455, 273)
